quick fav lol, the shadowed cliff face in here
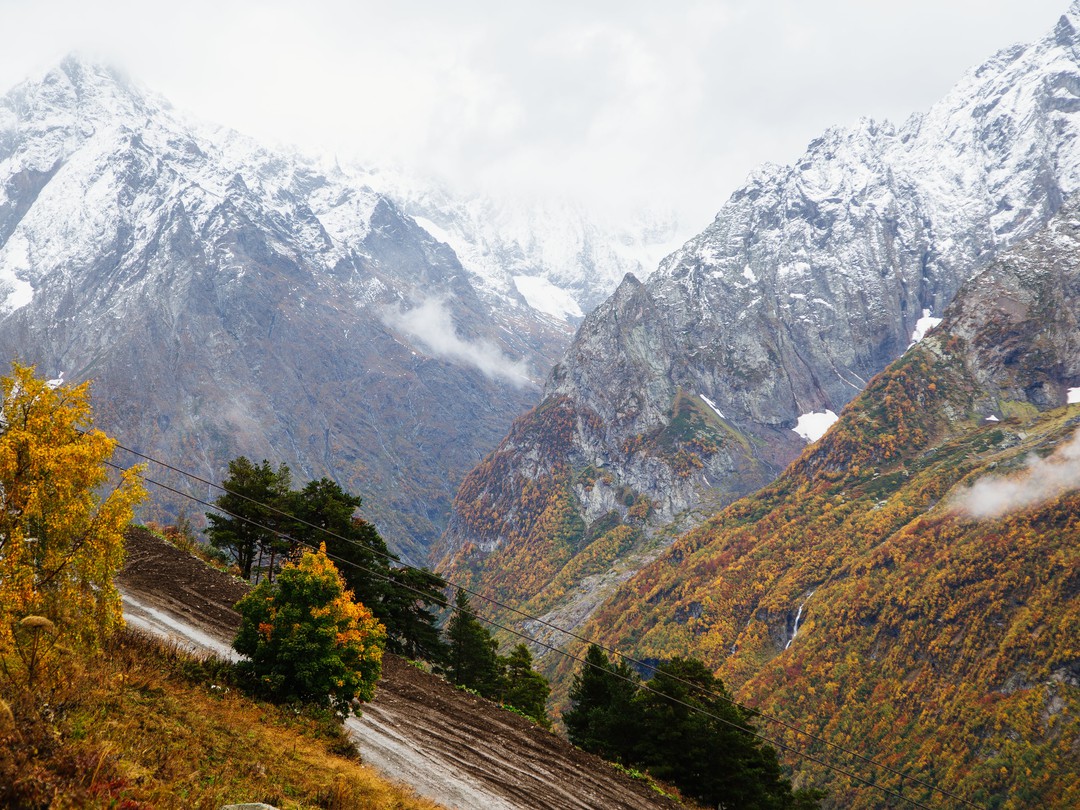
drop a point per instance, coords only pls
(228, 300)
(812, 278)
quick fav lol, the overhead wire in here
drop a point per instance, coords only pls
(644, 686)
(642, 665)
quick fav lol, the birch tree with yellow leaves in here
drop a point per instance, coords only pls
(61, 521)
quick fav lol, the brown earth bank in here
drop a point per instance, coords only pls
(448, 745)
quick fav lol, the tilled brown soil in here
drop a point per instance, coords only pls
(458, 749)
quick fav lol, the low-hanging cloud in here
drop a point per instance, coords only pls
(1041, 480)
(431, 324)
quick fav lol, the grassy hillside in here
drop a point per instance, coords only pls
(143, 726)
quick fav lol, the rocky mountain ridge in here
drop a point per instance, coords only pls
(683, 391)
(557, 255)
(908, 586)
(229, 299)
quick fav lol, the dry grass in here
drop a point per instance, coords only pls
(143, 726)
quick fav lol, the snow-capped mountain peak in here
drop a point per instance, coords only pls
(230, 298)
(687, 390)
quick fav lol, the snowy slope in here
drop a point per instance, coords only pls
(230, 299)
(814, 276)
(555, 255)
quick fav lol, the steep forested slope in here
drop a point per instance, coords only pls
(910, 586)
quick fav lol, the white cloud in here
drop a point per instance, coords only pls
(1041, 480)
(432, 325)
(617, 103)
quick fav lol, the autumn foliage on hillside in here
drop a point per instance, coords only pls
(529, 542)
(531, 519)
(945, 647)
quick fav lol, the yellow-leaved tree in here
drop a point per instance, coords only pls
(307, 640)
(61, 534)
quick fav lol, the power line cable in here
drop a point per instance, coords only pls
(697, 709)
(641, 665)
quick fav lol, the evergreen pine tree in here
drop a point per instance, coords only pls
(247, 527)
(602, 714)
(473, 661)
(692, 735)
(526, 689)
(406, 608)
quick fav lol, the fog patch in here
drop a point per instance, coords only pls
(431, 325)
(1041, 480)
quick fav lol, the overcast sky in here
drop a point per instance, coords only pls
(622, 103)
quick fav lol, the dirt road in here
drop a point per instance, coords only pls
(457, 749)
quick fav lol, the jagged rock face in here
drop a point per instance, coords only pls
(628, 366)
(557, 256)
(813, 276)
(226, 299)
(811, 279)
(1020, 322)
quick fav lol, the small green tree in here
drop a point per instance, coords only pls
(307, 640)
(473, 660)
(525, 688)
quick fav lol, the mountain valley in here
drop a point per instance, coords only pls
(908, 587)
(683, 393)
(829, 446)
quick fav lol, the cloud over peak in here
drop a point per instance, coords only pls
(432, 326)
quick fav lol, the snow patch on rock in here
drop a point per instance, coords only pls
(712, 405)
(548, 298)
(922, 326)
(812, 426)
(15, 291)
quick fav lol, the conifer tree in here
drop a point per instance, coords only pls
(325, 513)
(403, 599)
(601, 718)
(526, 689)
(692, 735)
(248, 524)
(473, 661)
(683, 727)
(407, 609)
